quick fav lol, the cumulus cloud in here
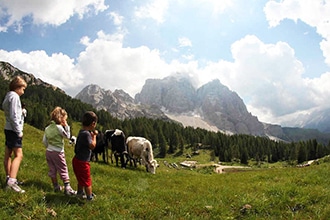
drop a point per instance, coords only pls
(270, 72)
(269, 78)
(57, 69)
(219, 6)
(117, 18)
(315, 13)
(107, 63)
(45, 12)
(85, 40)
(104, 62)
(155, 10)
(185, 42)
(319, 88)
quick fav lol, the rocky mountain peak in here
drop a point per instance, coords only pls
(175, 94)
(119, 103)
(212, 106)
(123, 96)
(92, 93)
(7, 71)
(213, 102)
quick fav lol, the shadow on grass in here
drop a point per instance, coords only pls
(50, 197)
(129, 165)
(36, 184)
(30, 184)
(60, 199)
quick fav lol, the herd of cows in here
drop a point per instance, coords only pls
(131, 150)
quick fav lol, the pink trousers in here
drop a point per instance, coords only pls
(57, 164)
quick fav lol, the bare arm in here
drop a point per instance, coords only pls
(93, 144)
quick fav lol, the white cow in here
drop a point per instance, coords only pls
(141, 148)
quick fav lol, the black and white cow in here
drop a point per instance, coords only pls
(141, 148)
(100, 148)
(116, 140)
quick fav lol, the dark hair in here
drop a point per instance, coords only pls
(88, 118)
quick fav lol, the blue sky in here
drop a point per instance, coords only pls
(274, 54)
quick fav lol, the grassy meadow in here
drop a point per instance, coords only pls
(279, 192)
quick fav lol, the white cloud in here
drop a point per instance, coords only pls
(269, 79)
(188, 56)
(117, 18)
(185, 42)
(106, 63)
(267, 76)
(271, 76)
(46, 12)
(315, 13)
(156, 10)
(320, 89)
(57, 69)
(219, 6)
(85, 40)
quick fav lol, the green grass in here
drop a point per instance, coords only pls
(271, 193)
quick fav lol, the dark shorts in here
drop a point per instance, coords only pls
(82, 171)
(12, 139)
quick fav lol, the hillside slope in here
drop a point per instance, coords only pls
(173, 193)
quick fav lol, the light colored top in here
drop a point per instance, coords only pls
(13, 112)
(24, 112)
(53, 136)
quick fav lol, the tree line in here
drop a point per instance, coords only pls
(170, 138)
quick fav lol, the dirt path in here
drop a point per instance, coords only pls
(221, 168)
(218, 168)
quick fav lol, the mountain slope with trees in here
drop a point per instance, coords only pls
(167, 137)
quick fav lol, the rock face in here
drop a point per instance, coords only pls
(226, 110)
(7, 71)
(213, 102)
(118, 103)
(173, 94)
(319, 119)
(275, 132)
(176, 98)
(212, 106)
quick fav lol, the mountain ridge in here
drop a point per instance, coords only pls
(166, 104)
(195, 117)
(118, 103)
(8, 71)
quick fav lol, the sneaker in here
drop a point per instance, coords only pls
(91, 198)
(15, 187)
(17, 182)
(58, 188)
(81, 195)
(69, 191)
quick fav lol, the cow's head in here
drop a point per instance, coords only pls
(151, 166)
(72, 140)
(118, 132)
